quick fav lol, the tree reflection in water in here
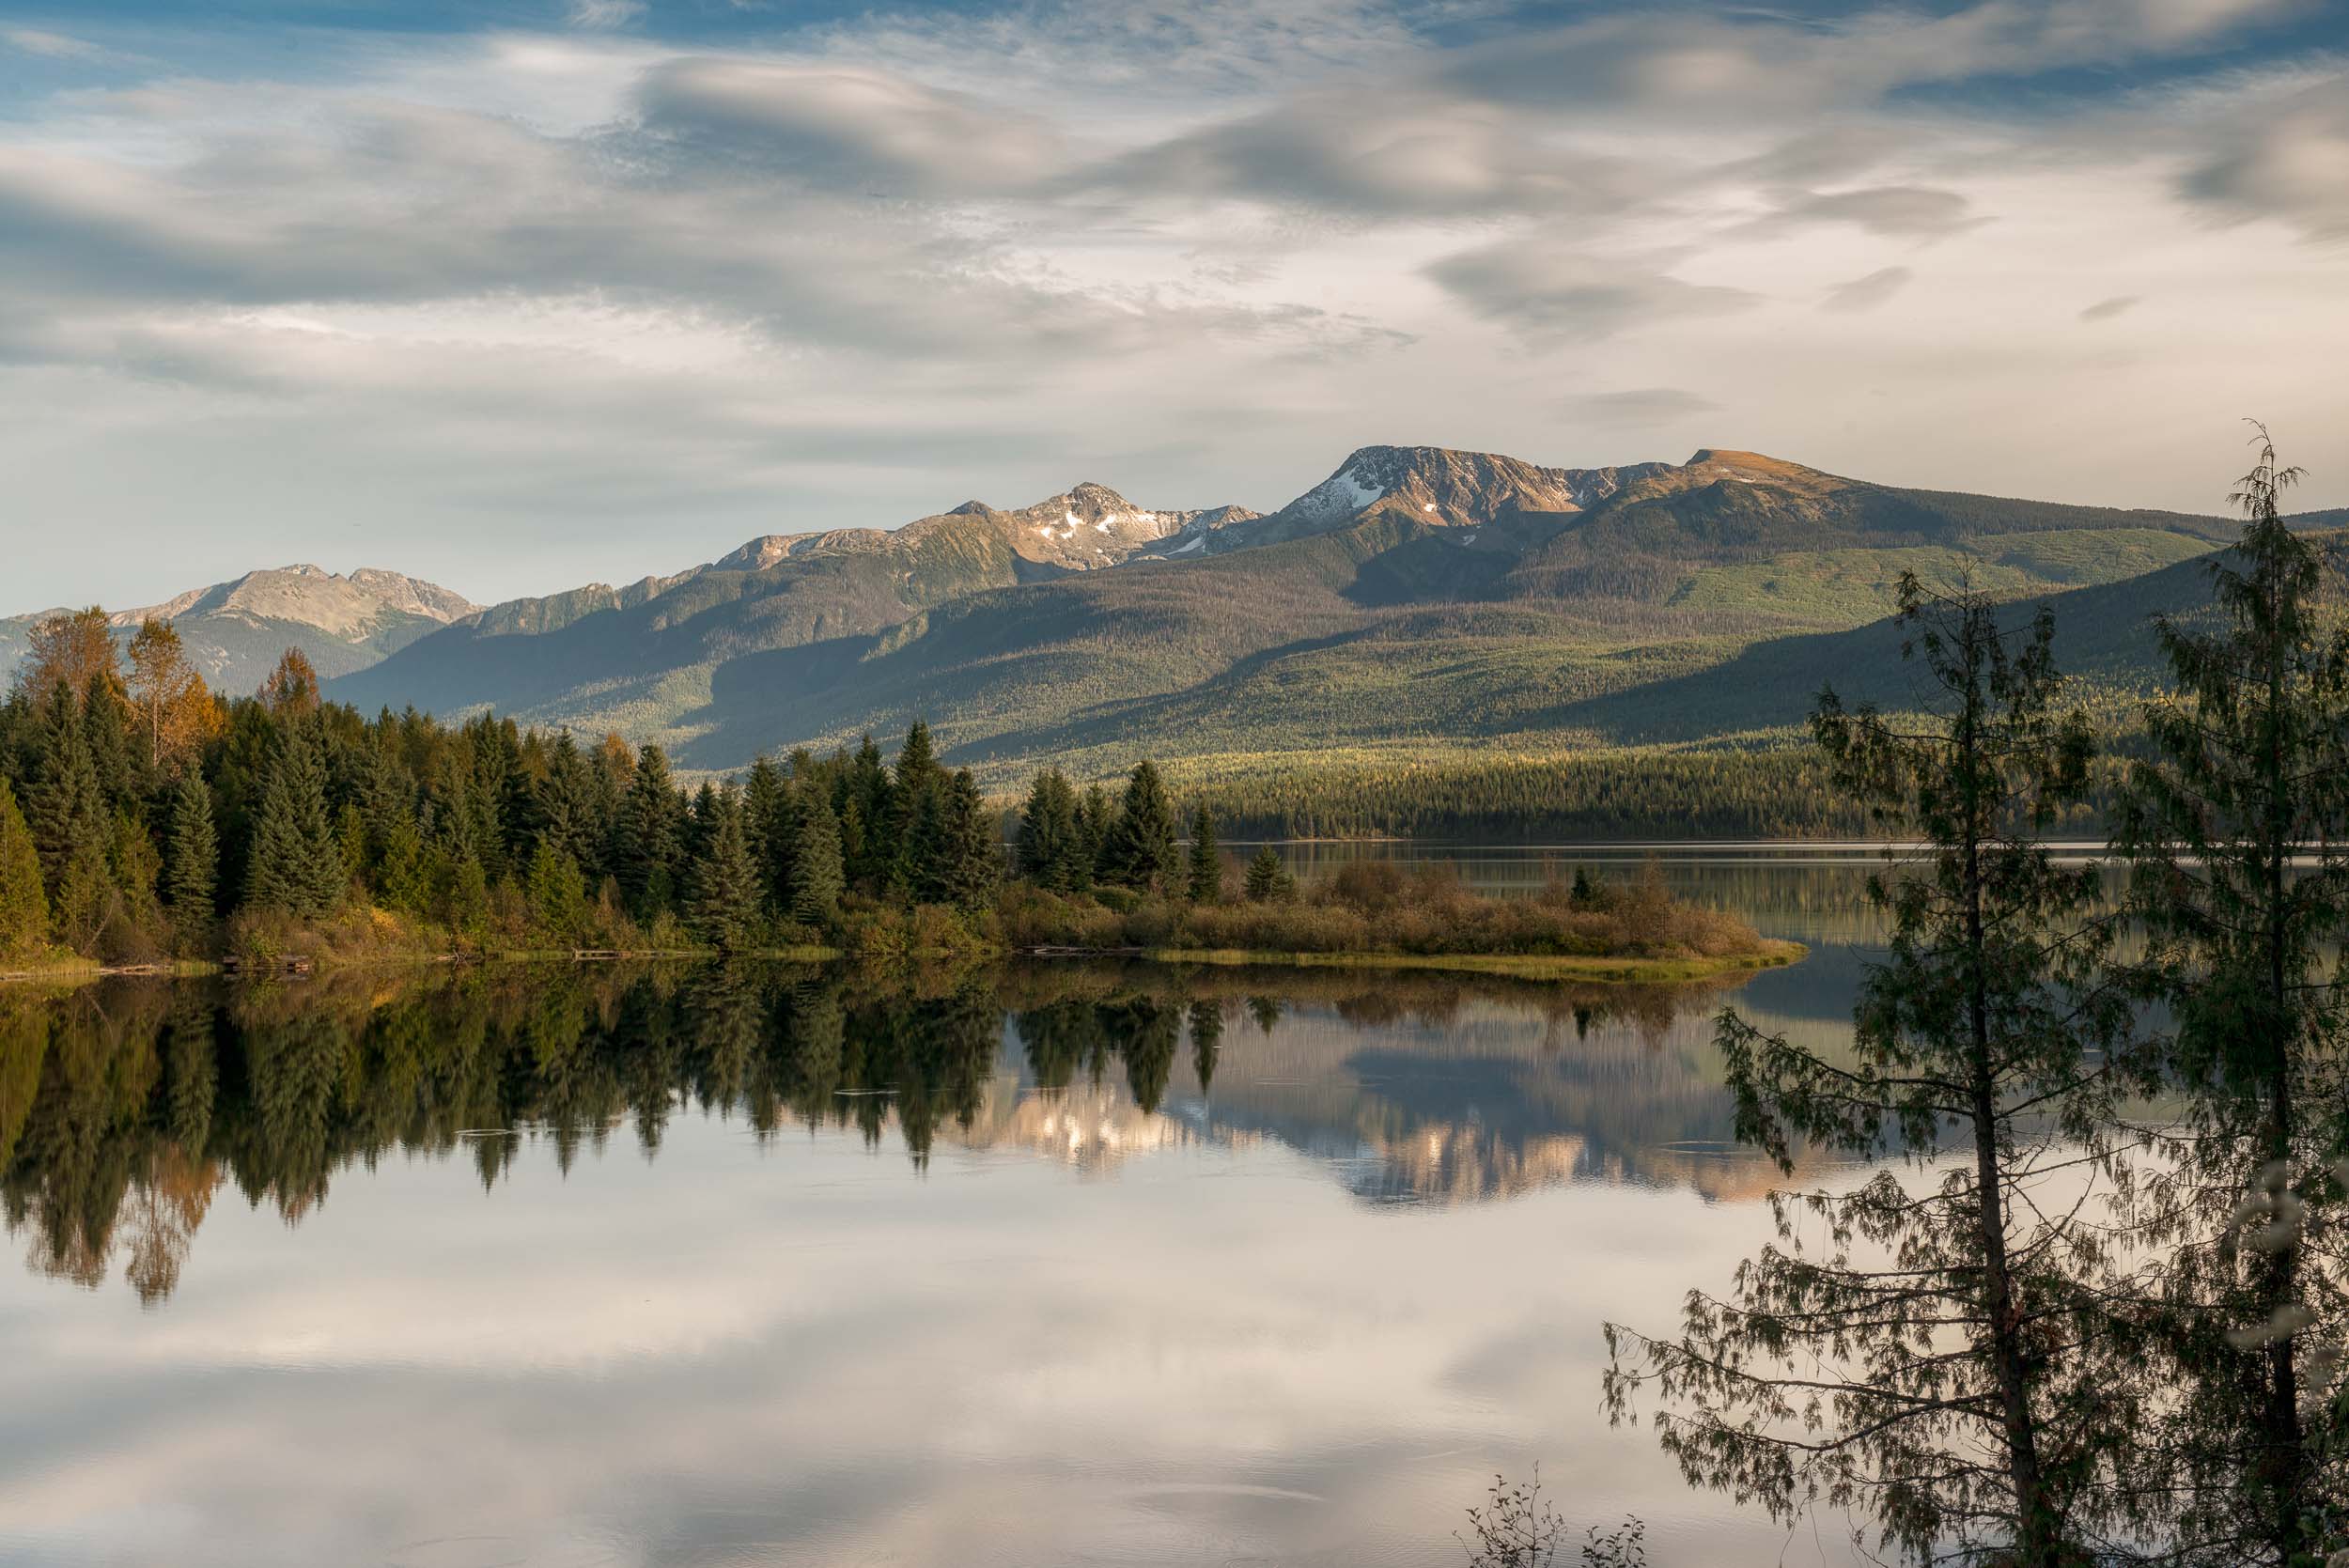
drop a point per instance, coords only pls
(125, 1107)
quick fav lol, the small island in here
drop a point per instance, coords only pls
(1376, 913)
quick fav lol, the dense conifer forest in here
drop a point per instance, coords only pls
(144, 818)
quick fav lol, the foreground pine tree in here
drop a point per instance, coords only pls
(1929, 1354)
(295, 866)
(2238, 878)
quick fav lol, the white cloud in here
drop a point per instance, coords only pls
(479, 288)
(49, 46)
(1866, 293)
(605, 13)
(1541, 286)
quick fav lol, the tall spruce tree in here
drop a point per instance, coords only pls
(727, 892)
(868, 810)
(964, 855)
(765, 806)
(24, 904)
(190, 876)
(1207, 870)
(1051, 844)
(64, 807)
(1938, 1365)
(1096, 815)
(569, 820)
(918, 789)
(2232, 832)
(817, 877)
(295, 866)
(647, 843)
(1140, 850)
(120, 767)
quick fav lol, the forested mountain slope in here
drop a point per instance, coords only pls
(1417, 596)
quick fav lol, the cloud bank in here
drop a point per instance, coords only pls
(512, 309)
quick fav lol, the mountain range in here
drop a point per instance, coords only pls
(1419, 598)
(235, 631)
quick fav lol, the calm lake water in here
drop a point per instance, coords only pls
(1036, 1265)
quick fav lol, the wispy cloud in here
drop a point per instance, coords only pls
(1866, 293)
(844, 267)
(606, 13)
(49, 46)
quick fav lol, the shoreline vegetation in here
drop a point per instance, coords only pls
(149, 825)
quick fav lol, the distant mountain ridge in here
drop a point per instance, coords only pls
(1416, 598)
(1418, 595)
(236, 631)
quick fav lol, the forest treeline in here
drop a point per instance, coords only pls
(144, 817)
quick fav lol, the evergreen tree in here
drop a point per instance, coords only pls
(64, 808)
(570, 819)
(557, 892)
(963, 851)
(1141, 849)
(920, 824)
(118, 767)
(1096, 814)
(2237, 877)
(1206, 871)
(296, 864)
(645, 843)
(869, 828)
(1954, 1381)
(1052, 852)
(817, 879)
(917, 762)
(726, 891)
(1268, 876)
(765, 805)
(191, 879)
(701, 824)
(24, 904)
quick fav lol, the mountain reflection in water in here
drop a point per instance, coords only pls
(125, 1107)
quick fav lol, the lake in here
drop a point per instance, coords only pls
(1075, 1264)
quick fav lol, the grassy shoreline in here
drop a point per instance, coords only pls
(1625, 971)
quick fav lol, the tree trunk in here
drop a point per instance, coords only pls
(2282, 1457)
(2035, 1522)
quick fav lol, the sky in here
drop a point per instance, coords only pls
(516, 296)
